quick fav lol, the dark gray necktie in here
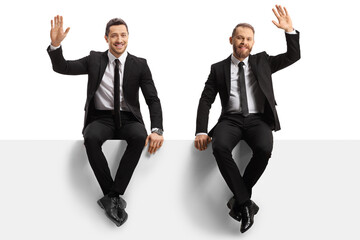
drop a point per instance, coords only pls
(243, 96)
(117, 118)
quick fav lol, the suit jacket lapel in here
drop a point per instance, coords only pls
(253, 66)
(103, 63)
(128, 68)
(227, 69)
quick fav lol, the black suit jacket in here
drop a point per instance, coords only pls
(263, 66)
(137, 76)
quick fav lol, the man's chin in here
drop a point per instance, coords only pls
(119, 52)
(242, 55)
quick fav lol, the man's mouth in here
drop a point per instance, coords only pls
(119, 45)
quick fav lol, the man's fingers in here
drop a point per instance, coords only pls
(159, 144)
(280, 10)
(61, 21)
(201, 146)
(150, 149)
(196, 144)
(276, 24)
(204, 144)
(56, 20)
(155, 148)
(67, 30)
(276, 14)
(286, 12)
(147, 140)
(151, 145)
(154, 145)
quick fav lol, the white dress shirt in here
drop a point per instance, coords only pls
(255, 96)
(104, 96)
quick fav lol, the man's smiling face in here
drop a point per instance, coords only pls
(242, 42)
(117, 39)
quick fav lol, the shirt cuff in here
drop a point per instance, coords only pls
(52, 48)
(292, 32)
(201, 133)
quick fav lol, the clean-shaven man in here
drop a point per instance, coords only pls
(112, 109)
(244, 83)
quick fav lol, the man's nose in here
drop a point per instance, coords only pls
(118, 39)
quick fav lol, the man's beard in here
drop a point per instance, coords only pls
(240, 54)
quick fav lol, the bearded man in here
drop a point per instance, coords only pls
(244, 84)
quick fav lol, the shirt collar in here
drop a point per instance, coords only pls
(122, 58)
(236, 61)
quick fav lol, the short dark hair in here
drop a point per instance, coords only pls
(115, 21)
(246, 25)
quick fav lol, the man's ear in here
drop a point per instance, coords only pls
(106, 39)
(230, 40)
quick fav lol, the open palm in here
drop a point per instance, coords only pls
(284, 19)
(57, 33)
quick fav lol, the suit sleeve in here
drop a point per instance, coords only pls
(60, 65)
(292, 54)
(151, 98)
(206, 100)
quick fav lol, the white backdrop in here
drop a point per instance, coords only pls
(317, 96)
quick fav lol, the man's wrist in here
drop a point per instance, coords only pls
(201, 133)
(290, 31)
(52, 47)
(158, 131)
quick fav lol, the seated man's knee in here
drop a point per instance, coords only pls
(91, 140)
(263, 150)
(219, 146)
(138, 137)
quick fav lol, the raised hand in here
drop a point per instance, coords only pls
(284, 18)
(57, 33)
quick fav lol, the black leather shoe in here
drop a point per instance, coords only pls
(248, 211)
(231, 202)
(121, 203)
(112, 208)
(234, 209)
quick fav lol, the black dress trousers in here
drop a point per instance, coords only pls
(103, 128)
(258, 135)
